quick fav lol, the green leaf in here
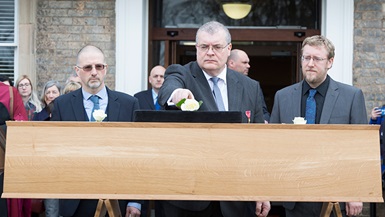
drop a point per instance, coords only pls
(179, 104)
(200, 103)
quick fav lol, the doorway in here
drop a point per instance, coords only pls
(274, 65)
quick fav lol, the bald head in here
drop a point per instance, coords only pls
(89, 49)
(239, 61)
(156, 77)
(91, 68)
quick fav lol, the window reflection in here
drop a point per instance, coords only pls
(271, 13)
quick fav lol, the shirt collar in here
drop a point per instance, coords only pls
(321, 89)
(154, 94)
(102, 94)
(221, 75)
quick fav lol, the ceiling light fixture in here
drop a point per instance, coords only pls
(236, 10)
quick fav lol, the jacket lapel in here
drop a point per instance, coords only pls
(78, 106)
(149, 99)
(113, 106)
(203, 87)
(295, 100)
(330, 101)
(234, 89)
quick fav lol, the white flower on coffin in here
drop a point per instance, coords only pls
(99, 115)
(299, 120)
(189, 104)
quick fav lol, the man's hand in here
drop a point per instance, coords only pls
(353, 208)
(132, 212)
(376, 112)
(180, 94)
(262, 208)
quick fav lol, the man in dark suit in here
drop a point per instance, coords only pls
(239, 61)
(77, 106)
(336, 103)
(197, 80)
(148, 99)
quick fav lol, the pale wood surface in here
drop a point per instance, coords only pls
(193, 161)
(2, 159)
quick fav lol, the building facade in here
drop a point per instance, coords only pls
(51, 32)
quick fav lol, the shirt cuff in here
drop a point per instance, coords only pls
(169, 103)
(136, 205)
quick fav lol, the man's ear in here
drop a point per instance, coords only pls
(330, 62)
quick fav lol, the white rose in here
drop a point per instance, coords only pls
(190, 105)
(99, 115)
(299, 120)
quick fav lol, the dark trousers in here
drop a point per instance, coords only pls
(308, 209)
(213, 210)
(87, 208)
(3, 201)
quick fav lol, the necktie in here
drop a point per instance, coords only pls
(157, 106)
(95, 100)
(311, 107)
(217, 94)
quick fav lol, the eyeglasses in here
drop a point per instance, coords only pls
(306, 59)
(88, 68)
(216, 48)
(24, 85)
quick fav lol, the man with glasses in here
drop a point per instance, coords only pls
(333, 103)
(200, 80)
(78, 105)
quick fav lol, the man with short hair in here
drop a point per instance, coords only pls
(234, 92)
(321, 100)
(148, 99)
(239, 61)
(78, 105)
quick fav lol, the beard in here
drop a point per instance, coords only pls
(314, 79)
(94, 84)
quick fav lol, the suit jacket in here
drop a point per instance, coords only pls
(70, 107)
(146, 102)
(344, 104)
(243, 95)
(43, 115)
(243, 92)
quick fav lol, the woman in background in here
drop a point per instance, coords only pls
(71, 86)
(31, 101)
(50, 91)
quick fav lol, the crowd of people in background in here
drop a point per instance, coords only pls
(217, 66)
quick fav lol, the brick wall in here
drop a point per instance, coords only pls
(369, 50)
(369, 58)
(63, 27)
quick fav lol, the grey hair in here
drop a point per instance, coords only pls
(46, 86)
(213, 27)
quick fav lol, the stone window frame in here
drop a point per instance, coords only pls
(13, 45)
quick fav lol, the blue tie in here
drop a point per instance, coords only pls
(157, 106)
(311, 107)
(217, 94)
(95, 100)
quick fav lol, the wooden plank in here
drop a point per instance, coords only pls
(186, 161)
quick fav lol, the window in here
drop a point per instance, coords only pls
(7, 37)
(268, 14)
